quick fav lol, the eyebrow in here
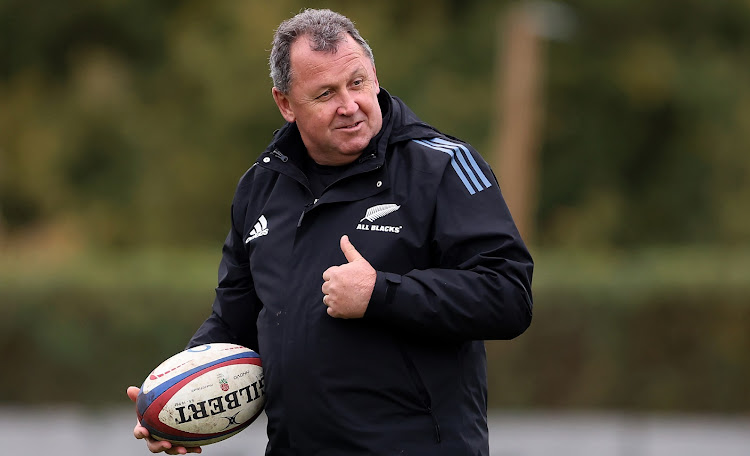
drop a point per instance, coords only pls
(359, 70)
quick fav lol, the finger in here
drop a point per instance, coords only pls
(350, 252)
(132, 392)
(325, 300)
(140, 432)
(333, 313)
(157, 446)
(185, 450)
(327, 274)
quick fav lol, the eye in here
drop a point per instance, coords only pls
(358, 82)
(323, 95)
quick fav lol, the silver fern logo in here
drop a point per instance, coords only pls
(381, 210)
(376, 212)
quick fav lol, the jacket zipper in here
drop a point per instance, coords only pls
(365, 158)
(276, 153)
(304, 211)
(279, 155)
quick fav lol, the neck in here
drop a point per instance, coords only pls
(325, 160)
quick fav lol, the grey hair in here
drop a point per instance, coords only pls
(324, 28)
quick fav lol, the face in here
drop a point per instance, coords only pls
(333, 100)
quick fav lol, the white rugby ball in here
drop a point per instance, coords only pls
(202, 395)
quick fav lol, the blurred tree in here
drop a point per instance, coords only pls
(646, 141)
(133, 120)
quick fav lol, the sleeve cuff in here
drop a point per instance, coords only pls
(382, 294)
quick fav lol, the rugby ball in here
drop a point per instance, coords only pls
(202, 395)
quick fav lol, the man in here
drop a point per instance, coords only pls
(369, 256)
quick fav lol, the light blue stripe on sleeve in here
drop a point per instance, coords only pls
(471, 159)
(454, 163)
(456, 154)
(467, 168)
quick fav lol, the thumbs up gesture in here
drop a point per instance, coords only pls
(347, 288)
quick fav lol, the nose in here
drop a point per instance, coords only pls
(348, 105)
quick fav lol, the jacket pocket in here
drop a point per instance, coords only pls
(422, 393)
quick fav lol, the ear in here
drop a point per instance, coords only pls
(285, 108)
(375, 75)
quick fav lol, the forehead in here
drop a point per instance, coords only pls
(308, 64)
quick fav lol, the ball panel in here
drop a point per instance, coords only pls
(198, 441)
(189, 360)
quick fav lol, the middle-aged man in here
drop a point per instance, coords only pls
(369, 255)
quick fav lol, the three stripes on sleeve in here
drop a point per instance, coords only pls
(462, 161)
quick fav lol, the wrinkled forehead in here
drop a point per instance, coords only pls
(305, 54)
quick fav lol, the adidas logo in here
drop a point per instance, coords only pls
(259, 229)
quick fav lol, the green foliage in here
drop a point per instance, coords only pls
(646, 139)
(676, 352)
(650, 330)
(656, 330)
(133, 120)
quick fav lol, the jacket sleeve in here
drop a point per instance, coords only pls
(480, 287)
(236, 306)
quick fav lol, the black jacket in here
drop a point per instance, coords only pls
(410, 377)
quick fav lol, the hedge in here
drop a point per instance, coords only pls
(653, 330)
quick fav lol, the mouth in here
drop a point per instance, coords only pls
(350, 126)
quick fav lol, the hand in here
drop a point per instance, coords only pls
(156, 446)
(347, 288)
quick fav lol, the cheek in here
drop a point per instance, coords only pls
(373, 111)
(325, 114)
(314, 121)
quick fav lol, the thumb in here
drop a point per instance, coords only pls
(133, 392)
(350, 252)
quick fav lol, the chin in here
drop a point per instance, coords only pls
(358, 146)
(354, 151)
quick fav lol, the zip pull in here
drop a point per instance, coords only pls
(366, 157)
(279, 155)
(304, 211)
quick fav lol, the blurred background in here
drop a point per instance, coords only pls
(619, 131)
